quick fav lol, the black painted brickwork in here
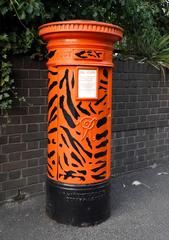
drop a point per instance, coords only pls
(140, 125)
(23, 139)
(140, 117)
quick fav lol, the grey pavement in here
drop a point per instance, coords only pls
(139, 212)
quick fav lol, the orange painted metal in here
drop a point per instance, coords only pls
(79, 129)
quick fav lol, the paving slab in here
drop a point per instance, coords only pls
(140, 211)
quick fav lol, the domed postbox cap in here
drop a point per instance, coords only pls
(75, 26)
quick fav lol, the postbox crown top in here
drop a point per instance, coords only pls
(81, 26)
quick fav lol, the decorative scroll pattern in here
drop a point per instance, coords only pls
(89, 54)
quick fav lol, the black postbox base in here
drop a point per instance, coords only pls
(78, 205)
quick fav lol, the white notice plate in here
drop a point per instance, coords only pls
(87, 83)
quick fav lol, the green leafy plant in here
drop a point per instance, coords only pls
(18, 38)
(160, 57)
(7, 87)
(145, 40)
(6, 83)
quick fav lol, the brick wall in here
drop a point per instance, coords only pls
(140, 117)
(140, 125)
(23, 139)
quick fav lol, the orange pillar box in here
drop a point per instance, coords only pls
(79, 119)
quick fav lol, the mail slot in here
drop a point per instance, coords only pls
(79, 119)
